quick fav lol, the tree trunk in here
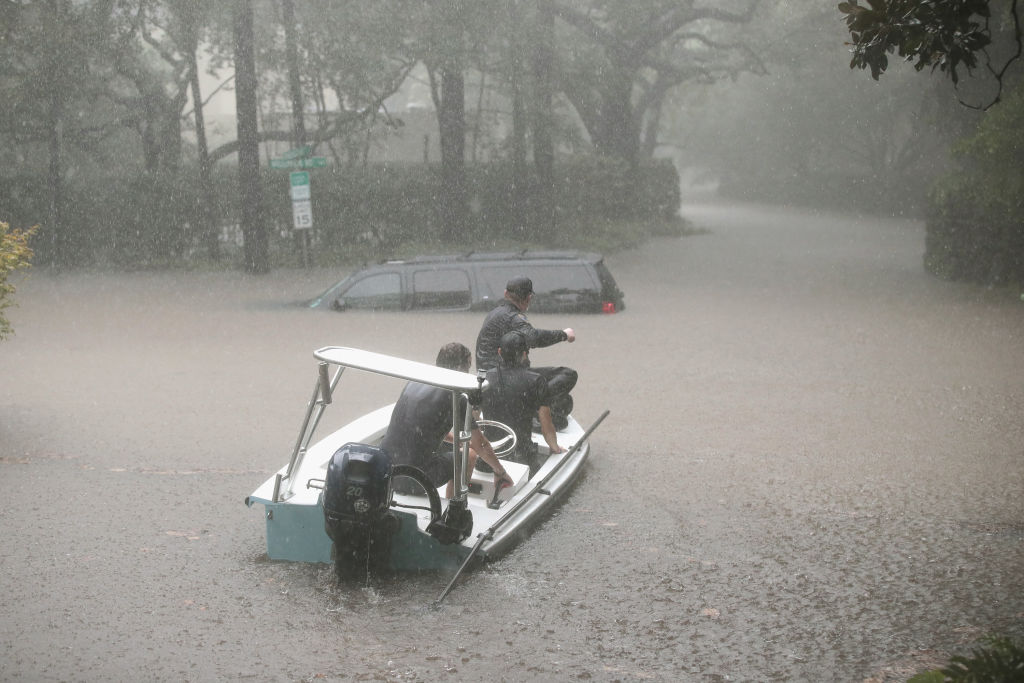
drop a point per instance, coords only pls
(617, 133)
(208, 230)
(62, 248)
(170, 131)
(520, 173)
(653, 126)
(58, 231)
(478, 117)
(294, 82)
(254, 230)
(543, 101)
(452, 125)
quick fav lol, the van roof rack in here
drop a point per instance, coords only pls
(524, 254)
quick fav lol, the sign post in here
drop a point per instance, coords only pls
(302, 209)
(299, 190)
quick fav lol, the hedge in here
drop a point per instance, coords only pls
(143, 220)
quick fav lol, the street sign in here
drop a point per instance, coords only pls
(298, 152)
(311, 162)
(299, 185)
(302, 215)
(302, 210)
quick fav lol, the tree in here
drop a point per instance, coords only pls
(453, 35)
(15, 254)
(627, 56)
(294, 79)
(543, 118)
(947, 36)
(48, 99)
(811, 131)
(190, 21)
(254, 228)
(975, 223)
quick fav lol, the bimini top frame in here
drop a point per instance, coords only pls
(462, 386)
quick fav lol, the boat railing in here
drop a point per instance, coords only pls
(323, 392)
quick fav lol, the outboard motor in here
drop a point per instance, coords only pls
(357, 513)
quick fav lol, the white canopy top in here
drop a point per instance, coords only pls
(411, 370)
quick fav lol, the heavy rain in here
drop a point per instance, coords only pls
(813, 466)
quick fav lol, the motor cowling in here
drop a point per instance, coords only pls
(356, 502)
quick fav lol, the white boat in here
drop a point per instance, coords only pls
(370, 522)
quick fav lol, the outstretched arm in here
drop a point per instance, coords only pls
(539, 339)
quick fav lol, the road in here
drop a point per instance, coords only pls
(813, 470)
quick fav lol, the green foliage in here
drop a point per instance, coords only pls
(15, 254)
(154, 212)
(156, 219)
(1000, 660)
(378, 212)
(976, 218)
(942, 35)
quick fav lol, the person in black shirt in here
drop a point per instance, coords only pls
(422, 418)
(510, 316)
(515, 394)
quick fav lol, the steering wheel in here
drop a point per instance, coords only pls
(504, 445)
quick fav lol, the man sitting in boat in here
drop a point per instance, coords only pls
(515, 394)
(510, 316)
(421, 419)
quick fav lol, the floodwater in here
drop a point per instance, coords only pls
(813, 470)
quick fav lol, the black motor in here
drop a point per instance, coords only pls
(357, 513)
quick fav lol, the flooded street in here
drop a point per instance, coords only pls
(813, 470)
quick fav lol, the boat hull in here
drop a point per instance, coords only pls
(295, 524)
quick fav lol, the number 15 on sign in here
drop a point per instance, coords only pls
(302, 215)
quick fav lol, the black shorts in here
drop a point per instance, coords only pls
(440, 467)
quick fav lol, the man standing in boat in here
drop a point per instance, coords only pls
(515, 394)
(421, 419)
(510, 316)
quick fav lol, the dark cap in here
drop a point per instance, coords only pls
(511, 347)
(521, 287)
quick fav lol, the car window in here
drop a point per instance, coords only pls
(609, 289)
(546, 278)
(564, 279)
(377, 291)
(445, 288)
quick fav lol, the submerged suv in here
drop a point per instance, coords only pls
(563, 282)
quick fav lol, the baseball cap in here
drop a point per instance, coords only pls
(520, 286)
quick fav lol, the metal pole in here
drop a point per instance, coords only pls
(460, 447)
(306, 432)
(538, 488)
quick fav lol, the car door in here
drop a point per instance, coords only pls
(440, 289)
(376, 291)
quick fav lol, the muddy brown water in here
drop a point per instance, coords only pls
(813, 470)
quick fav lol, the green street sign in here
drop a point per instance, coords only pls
(298, 152)
(311, 162)
(299, 178)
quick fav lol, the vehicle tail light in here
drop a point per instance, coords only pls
(608, 307)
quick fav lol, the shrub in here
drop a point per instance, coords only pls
(975, 221)
(15, 254)
(1000, 660)
(359, 213)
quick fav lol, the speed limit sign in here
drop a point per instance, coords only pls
(302, 215)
